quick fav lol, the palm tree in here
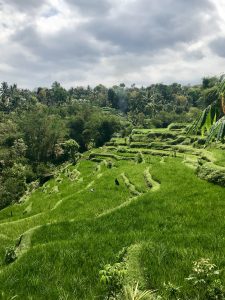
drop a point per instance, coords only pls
(212, 118)
(4, 95)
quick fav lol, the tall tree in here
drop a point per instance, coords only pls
(42, 131)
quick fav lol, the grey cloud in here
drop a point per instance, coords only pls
(218, 46)
(24, 5)
(68, 54)
(148, 26)
(31, 8)
(194, 55)
(32, 71)
(72, 45)
(90, 7)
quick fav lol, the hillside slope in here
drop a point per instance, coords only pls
(67, 230)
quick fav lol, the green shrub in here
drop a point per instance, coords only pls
(205, 282)
(113, 278)
(171, 291)
(211, 173)
(139, 158)
(10, 256)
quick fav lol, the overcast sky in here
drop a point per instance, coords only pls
(81, 42)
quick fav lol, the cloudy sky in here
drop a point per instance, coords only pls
(80, 42)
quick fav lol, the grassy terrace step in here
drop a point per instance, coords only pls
(212, 173)
(148, 151)
(109, 155)
(219, 156)
(117, 142)
(130, 186)
(154, 136)
(178, 126)
(191, 161)
(136, 190)
(151, 145)
(153, 184)
(164, 150)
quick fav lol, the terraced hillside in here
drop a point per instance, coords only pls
(141, 192)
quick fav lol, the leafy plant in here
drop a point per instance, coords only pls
(212, 118)
(113, 277)
(203, 272)
(216, 290)
(217, 131)
(133, 293)
(171, 291)
(205, 280)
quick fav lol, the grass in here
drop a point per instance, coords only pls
(67, 236)
(219, 156)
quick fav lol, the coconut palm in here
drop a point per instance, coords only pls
(212, 119)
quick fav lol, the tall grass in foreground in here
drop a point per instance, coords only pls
(176, 225)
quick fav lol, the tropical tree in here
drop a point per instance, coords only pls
(58, 94)
(67, 151)
(41, 132)
(4, 96)
(212, 118)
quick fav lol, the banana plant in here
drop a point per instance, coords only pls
(212, 118)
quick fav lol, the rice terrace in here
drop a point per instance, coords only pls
(112, 150)
(160, 218)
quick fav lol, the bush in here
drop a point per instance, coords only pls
(212, 173)
(204, 281)
(10, 256)
(113, 276)
(171, 291)
(139, 158)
